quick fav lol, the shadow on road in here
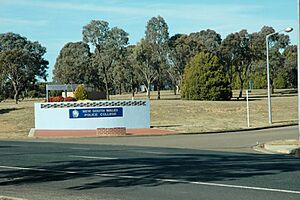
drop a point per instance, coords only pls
(148, 171)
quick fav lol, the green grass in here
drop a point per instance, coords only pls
(172, 113)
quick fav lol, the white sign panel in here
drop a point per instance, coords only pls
(92, 115)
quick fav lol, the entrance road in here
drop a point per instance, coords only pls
(232, 142)
(217, 166)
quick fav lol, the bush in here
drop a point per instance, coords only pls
(80, 93)
(56, 99)
(205, 79)
(70, 99)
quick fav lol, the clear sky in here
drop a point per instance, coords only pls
(55, 22)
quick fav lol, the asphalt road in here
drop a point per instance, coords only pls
(229, 142)
(47, 169)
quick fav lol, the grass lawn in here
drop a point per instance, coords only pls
(172, 113)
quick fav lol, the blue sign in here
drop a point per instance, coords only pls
(95, 112)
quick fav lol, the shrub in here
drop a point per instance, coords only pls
(56, 99)
(80, 93)
(205, 79)
(70, 99)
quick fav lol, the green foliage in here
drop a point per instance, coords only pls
(108, 43)
(205, 79)
(290, 65)
(146, 63)
(21, 61)
(72, 64)
(80, 93)
(157, 35)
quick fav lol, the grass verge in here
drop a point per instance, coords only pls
(175, 114)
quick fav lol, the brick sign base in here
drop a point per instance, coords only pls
(119, 131)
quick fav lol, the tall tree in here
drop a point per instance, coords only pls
(108, 43)
(146, 64)
(207, 41)
(22, 61)
(290, 65)
(237, 54)
(157, 34)
(277, 43)
(2, 83)
(179, 54)
(72, 64)
(126, 73)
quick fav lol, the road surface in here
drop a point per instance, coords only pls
(101, 168)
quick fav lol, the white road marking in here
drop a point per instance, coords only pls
(78, 148)
(92, 157)
(160, 179)
(148, 152)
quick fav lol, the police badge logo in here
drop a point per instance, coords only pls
(75, 113)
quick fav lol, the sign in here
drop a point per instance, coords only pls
(95, 112)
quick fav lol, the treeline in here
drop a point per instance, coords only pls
(159, 60)
(105, 61)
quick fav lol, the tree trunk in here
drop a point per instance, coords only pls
(132, 91)
(120, 89)
(148, 88)
(241, 86)
(148, 92)
(175, 89)
(16, 95)
(106, 85)
(158, 87)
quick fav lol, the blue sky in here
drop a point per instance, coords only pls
(54, 22)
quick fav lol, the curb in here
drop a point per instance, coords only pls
(277, 149)
(10, 198)
(234, 130)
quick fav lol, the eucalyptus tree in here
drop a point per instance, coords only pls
(277, 43)
(207, 41)
(237, 55)
(108, 43)
(2, 83)
(290, 65)
(72, 64)
(157, 34)
(22, 62)
(179, 53)
(146, 64)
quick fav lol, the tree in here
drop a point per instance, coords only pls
(72, 64)
(146, 63)
(205, 79)
(277, 43)
(290, 65)
(80, 92)
(207, 41)
(22, 61)
(237, 55)
(157, 34)
(108, 43)
(179, 54)
(126, 72)
(2, 83)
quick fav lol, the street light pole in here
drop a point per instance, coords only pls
(268, 80)
(289, 29)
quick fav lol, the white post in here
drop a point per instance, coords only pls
(248, 110)
(47, 94)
